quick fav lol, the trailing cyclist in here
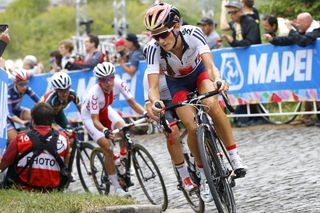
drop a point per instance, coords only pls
(60, 97)
(99, 117)
(16, 91)
(183, 53)
(37, 159)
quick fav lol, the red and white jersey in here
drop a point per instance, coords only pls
(45, 169)
(97, 100)
(194, 44)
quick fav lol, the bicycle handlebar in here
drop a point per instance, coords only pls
(192, 100)
(129, 125)
(163, 120)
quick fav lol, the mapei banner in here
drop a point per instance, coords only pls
(267, 73)
(3, 109)
(261, 73)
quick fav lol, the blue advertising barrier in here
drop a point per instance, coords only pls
(3, 109)
(260, 73)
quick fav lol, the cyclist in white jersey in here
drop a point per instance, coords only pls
(99, 117)
(185, 55)
(173, 139)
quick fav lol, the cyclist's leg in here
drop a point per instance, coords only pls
(117, 122)
(25, 114)
(173, 139)
(222, 126)
(11, 131)
(105, 145)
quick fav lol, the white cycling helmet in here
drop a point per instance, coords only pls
(20, 75)
(104, 69)
(61, 80)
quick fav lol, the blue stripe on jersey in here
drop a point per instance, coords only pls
(151, 54)
(199, 35)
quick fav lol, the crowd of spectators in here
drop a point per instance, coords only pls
(239, 25)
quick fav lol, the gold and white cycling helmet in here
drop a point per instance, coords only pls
(161, 17)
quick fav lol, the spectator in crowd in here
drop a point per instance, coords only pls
(135, 54)
(275, 26)
(55, 61)
(92, 58)
(36, 175)
(245, 30)
(308, 30)
(30, 63)
(65, 49)
(121, 51)
(208, 27)
(249, 9)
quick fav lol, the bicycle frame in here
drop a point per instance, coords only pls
(129, 143)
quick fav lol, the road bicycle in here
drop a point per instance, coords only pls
(146, 170)
(215, 159)
(81, 152)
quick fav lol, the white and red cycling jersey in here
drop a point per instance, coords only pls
(194, 45)
(99, 102)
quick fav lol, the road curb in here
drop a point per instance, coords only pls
(129, 209)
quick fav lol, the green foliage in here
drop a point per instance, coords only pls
(22, 201)
(291, 8)
(36, 28)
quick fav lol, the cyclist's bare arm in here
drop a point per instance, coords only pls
(213, 72)
(154, 94)
(135, 106)
(150, 112)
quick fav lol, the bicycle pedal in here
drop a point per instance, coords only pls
(179, 187)
(240, 173)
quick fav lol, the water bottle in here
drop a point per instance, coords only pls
(118, 164)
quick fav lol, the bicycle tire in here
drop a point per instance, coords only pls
(83, 164)
(196, 204)
(142, 159)
(213, 167)
(99, 174)
(277, 108)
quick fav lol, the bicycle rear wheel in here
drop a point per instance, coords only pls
(217, 175)
(83, 166)
(149, 176)
(99, 174)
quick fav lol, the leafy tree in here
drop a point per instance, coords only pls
(291, 8)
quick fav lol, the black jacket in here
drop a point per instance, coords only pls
(295, 37)
(249, 30)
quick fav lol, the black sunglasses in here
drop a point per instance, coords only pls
(163, 35)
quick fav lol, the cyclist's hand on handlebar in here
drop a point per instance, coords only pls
(224, 85)
(157, 106)
(151, 113)
(108, 133)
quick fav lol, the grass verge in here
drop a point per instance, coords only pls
(22, 201)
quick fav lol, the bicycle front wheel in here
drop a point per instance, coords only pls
(83, 166)
(149, 176)
(99, 174)
(215, 171)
